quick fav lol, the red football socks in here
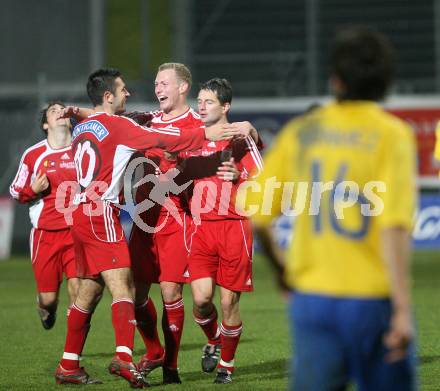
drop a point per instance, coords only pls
(172, 325)
(78, 325)
(230, 336)
(146, 321)
(209, 326)
(123, 320)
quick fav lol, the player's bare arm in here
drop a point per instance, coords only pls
(244, 128)
(222, 131)
(79, 113)
(40, 183)
(141, 117)
(396, 247)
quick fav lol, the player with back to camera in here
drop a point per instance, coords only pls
(348, 265)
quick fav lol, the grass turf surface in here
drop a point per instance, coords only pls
(30, 354)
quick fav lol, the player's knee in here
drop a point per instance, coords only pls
(85, 302)
(122, 293)
(73, 284)
(48, 300)
(171, 292)
(229, 304)
(119, 282)
(89, 294)
(202, 302)
(121, 290)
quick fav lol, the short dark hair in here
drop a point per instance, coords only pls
(221, 87)
(363, 60)
(43, 118)
(101, 81)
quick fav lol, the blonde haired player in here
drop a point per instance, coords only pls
(162, 256)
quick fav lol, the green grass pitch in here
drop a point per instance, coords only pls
(30, 354)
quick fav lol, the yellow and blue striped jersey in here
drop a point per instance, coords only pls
(348, 171)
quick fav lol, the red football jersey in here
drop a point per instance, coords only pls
(186, 122)
(213, 198)
(58, 166)
(103, 145)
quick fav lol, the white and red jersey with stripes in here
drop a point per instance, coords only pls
(213, 198)
(103, 145)
(185, 122)
(58, 166)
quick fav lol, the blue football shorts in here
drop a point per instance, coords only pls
(338, 341)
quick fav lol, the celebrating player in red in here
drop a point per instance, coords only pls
(102, 146)
(221, 247)
(162, 256)
(42, 168)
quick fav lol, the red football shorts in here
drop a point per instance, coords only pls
(99, 239)
(162, 255)
(52, 255)
(222, 250)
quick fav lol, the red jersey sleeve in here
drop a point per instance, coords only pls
(20, 188)
(247, 157)
(140, 117)
(169, 138)
(260, 144)
(155, 152)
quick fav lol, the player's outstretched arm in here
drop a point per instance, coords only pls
(79, 113)
(170, 138)
(244, 129)
(222, 132)
(141, 117)
(396, 249)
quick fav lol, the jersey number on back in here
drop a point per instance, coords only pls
(331, 200)
(87, 163)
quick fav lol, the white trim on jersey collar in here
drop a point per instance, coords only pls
(56, 150)
(96, 113)
(185, 114)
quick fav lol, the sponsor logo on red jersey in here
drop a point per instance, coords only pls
(48, 163)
